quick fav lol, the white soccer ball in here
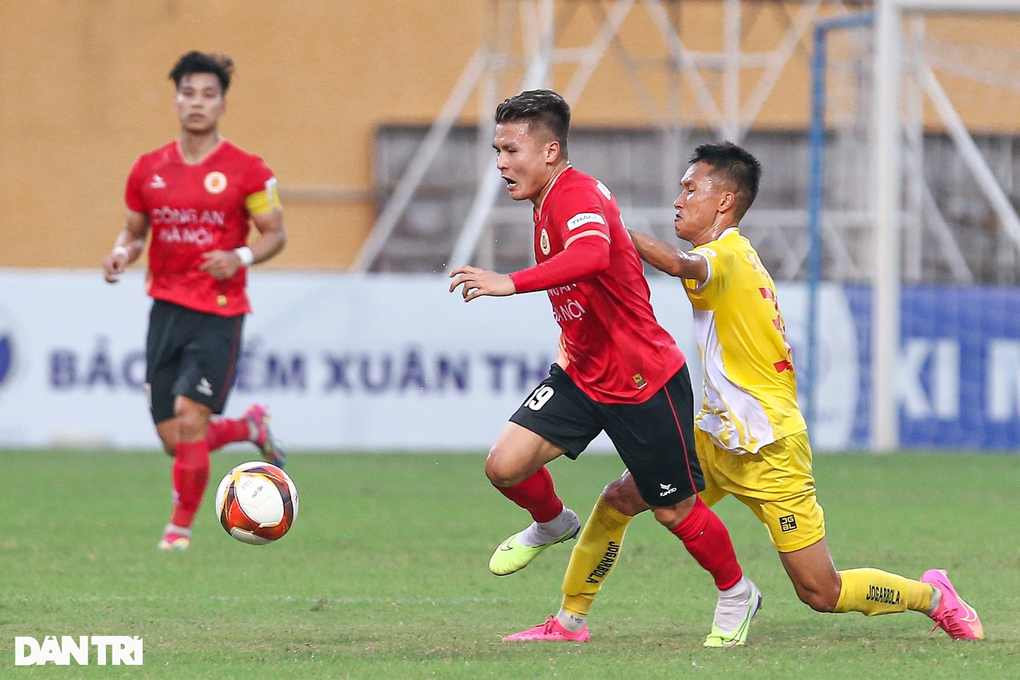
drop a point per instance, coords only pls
(256, 503)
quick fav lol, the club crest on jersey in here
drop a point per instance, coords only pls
(215, 182)
(543, 242)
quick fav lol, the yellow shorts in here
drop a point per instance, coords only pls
(776, 483)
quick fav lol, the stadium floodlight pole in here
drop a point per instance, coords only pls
(684, 62)
(488, 187)
(776, 64)
(816, 195)
(972, 157)
(885, 313)
(732, 15)
(421, 161)
(607, 35)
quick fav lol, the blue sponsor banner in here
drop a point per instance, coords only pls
(959, 367)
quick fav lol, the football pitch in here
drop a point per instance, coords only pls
(384, 574)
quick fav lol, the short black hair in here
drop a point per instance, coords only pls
(544, 107)
(220, 65)
(738, 166)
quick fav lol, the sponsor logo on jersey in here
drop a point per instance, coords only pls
(157, 182)
(200, 237)
(561, 290)
(186, 225)
(543, 242)
(584, 218)
(204, 387)
(183, 216)
(215, 182)
(571, 310)
(666, 489)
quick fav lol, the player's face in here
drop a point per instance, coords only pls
(526, 158)
(698, 204)
(199, 102)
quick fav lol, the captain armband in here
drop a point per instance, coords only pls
(264, 201)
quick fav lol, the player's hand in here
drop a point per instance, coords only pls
(221, 264)
(478, 282)
(113, 266)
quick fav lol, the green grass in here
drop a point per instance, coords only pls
(384, 574)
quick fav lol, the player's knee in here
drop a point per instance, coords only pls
(191, 421)
(821, 598)
(671, 516)
(623, 496)
(502, 469)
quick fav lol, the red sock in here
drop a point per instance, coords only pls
(707, 540)
(190, 475)
(537, 495)
(223, 431)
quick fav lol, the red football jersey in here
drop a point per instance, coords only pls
(194, 209)
(618, 352)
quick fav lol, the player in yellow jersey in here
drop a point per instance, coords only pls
(751, 438)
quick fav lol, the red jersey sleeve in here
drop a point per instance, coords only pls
(257, 176)
(584, 259)
(579, 216)
(133, 197)
(580, 212)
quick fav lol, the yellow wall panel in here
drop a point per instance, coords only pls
(84, 91)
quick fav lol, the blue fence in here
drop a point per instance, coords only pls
(960, 366)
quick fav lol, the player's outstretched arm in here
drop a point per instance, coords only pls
(478, 282)
(670, 259)
(129, 245)
(222, 264)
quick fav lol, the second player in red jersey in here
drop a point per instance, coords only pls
(618, 372)
(200, 197)
(194, 209)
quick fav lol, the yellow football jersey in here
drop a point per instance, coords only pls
(750, 395)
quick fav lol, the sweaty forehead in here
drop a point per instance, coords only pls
(704, 174)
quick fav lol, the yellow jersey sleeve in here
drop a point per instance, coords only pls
(720, 265)
(264, 201)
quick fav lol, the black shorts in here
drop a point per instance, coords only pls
(655, 439)
(192, 354)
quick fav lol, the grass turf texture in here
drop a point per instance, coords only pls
(384, 574)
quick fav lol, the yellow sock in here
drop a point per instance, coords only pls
(872, 592)
(593, 557)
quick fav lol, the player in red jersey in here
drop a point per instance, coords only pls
(618, 372)
(199, 196)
